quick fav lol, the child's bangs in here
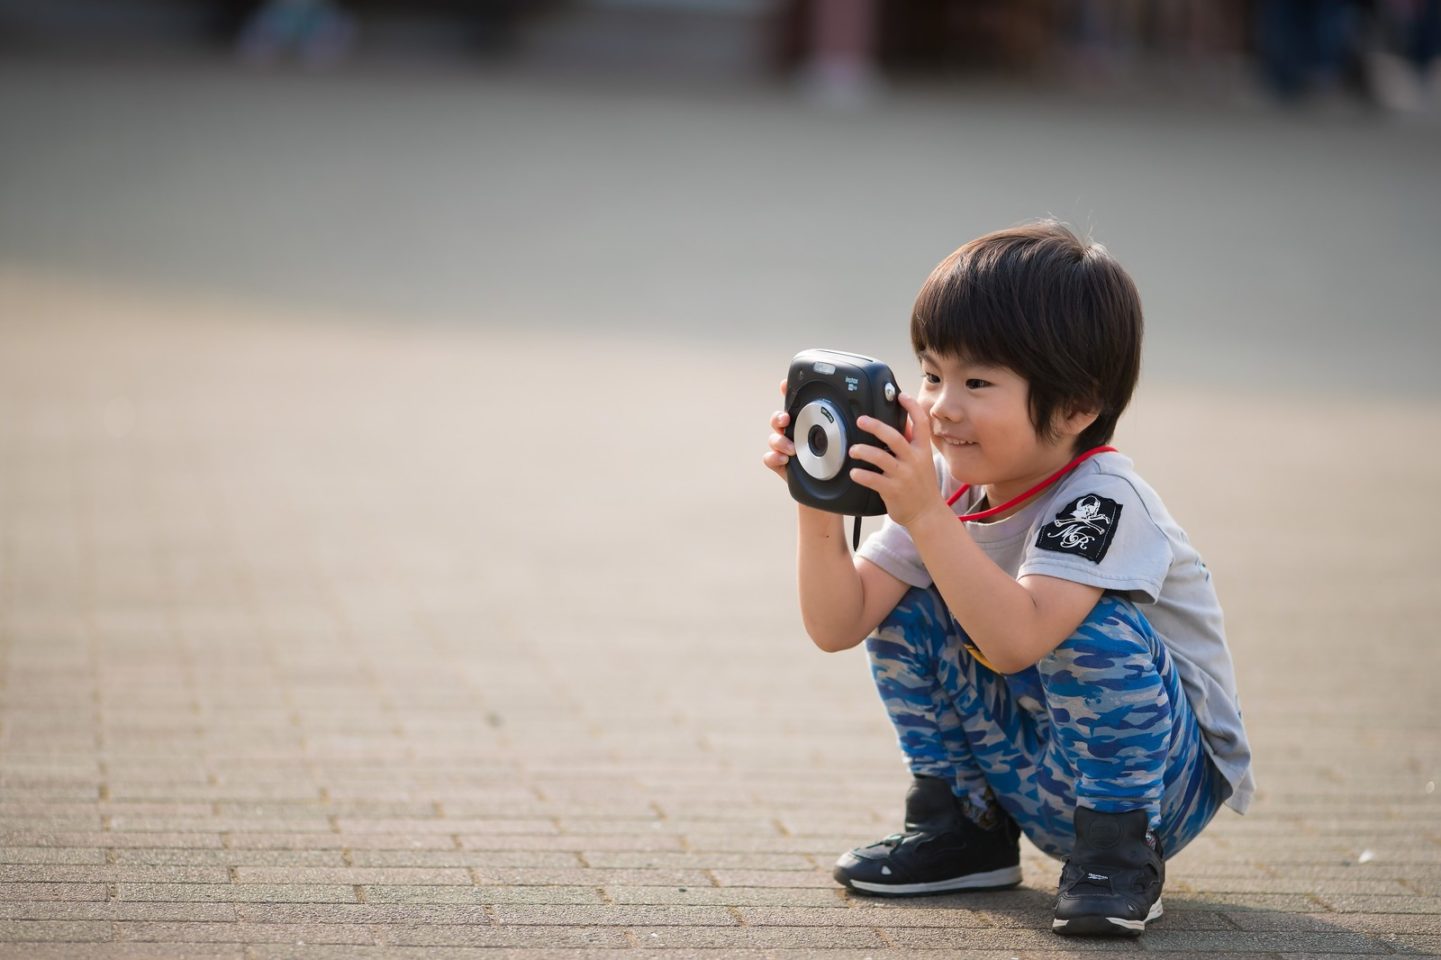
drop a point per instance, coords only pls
(953, 317)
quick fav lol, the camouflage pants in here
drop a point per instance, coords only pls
(1101, 721)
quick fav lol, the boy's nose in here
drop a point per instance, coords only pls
(942, 410)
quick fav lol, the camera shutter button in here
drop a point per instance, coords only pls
(890, 391)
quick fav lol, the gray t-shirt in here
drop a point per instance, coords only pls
(1102, 525)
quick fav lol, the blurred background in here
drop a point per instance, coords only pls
(383, 389)
(1380, 50)
(735, 168)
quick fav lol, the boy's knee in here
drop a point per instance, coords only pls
(921, 613)
(916, 631)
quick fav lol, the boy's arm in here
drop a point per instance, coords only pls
(842, 598)
(1014, 623)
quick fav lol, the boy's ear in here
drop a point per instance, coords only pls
(1073, 422)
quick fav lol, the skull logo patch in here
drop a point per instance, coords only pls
(1084, 527)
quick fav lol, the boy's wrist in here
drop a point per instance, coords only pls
(937, 518)
(817, 521)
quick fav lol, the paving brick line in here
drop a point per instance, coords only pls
(468, 914)
(353, 875)
(794, 879)
(441, 938)
(724, 896)
(339, 842)
(807, 953)
(108, 873)
(52, 891)
(236, 857)
(110, 840)
(493, 894)
(663, 859)
(1262, 921)
(200, 912)
(12, 856)
(598, 876)
(243, 933)
(755, 938)
(261, 952)
(237, 892)
(582, 844)
(326, 952)
(1307, 885)
(1342, 903)
(119, 951)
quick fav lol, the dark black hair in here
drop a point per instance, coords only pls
(1058, 310)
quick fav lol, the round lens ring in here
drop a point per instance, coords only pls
(820, 435)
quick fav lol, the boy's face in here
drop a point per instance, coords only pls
(980, 420)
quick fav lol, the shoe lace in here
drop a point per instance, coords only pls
(895, 840)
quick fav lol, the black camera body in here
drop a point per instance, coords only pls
(826, 392)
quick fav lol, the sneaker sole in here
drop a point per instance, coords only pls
(1105, 926)
(990, 880)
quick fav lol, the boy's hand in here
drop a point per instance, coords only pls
(781, 449)
(907, 478)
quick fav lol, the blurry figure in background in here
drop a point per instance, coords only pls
(1306, 47)
(1186, 42)
(319, 32)
(1401, 69)
(841, 40)
(1104, 37)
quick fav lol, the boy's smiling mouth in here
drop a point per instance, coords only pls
(953, 441)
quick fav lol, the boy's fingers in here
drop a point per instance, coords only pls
(883, 432)
(866, 478)
(781, 445)
(918, 427)
(874, 456)
(918, 424)
(783, 388)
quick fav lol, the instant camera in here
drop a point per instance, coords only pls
(826, 392)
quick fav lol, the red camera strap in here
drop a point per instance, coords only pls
(1017, 501)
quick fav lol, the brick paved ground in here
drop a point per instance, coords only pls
(326, 636)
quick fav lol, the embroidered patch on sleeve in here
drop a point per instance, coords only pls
(1084, 527)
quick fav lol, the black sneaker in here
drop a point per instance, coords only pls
(941, 850)
(1111, 885)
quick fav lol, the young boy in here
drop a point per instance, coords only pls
(1054, 662)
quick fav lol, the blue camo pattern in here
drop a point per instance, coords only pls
(1101, 721)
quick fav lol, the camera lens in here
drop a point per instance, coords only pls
(818, 440)
(820, 436)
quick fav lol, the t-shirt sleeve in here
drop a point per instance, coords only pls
(1099, 532)
(892, 549)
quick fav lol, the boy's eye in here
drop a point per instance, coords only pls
(930, 378)
(975, 383)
